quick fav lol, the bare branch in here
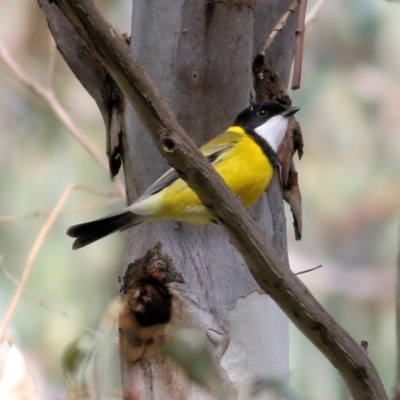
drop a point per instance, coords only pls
(263, 261)
(298, 55)
(278, 27)
(48, 96)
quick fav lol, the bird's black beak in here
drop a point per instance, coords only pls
(290, 111)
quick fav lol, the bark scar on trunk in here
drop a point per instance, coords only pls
(147, 301)
(145, 287)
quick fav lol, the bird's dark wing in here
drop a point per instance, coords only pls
(171, 175)
(165, 180)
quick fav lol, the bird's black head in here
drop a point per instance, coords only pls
(266, 121)
(257, 114)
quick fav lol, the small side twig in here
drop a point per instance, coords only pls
(298, 55)
(278, 27)
(309, 270)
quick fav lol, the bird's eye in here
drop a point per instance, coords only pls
(262, 113)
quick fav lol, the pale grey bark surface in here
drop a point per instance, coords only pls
(157, 298)
(200, 59)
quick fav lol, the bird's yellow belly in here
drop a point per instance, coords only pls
(247, 172)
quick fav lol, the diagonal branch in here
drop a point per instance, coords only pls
(264, 263)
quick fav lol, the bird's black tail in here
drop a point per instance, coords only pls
(89, 232)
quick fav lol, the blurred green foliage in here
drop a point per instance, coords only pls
(349, 177)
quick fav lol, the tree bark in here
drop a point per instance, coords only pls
(153, 285)
(199, 54)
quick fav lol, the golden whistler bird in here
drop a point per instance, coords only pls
(244, 155)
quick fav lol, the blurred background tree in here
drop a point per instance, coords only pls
(350, 117)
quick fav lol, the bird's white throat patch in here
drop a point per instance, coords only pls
(273, 131)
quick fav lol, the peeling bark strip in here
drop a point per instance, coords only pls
(263, 261)
(92, 75)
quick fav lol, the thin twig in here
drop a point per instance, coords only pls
(43, 304)
(13, 218)
(298, 55)
(308, 270)
(312, 15)
(32, 255)
(278, 27)
(61, 113)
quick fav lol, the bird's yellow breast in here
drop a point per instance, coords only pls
(244, 168)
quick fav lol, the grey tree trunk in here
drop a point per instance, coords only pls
(199, 54)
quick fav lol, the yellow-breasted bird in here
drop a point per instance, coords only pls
(244, 155)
